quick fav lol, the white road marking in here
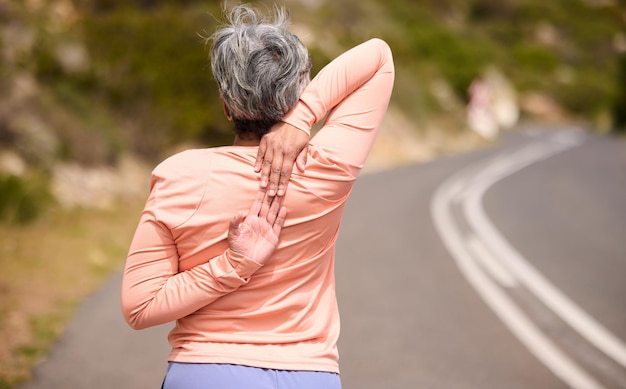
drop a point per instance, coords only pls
(560, 304)
(493, 266)
(469, 191)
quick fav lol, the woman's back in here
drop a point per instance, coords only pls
(283, 314)
(291, 298)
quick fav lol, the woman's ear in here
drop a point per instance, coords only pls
(227, 112)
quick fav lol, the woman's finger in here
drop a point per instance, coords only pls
(280, 221)
(233, 229)
(302, 158)
(266, 167)
(275, 173)
(257, 204)
(260, 155)
(266, 203)
(272, 213)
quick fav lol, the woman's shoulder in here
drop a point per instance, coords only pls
(178, 185)
(184, 162)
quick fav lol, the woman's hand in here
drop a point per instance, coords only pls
(278, 150)
(256, 235)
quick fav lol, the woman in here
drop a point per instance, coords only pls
(252, 310)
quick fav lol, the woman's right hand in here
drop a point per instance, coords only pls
(279, 149)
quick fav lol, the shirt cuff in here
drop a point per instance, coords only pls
(242, 265)
(300, 117)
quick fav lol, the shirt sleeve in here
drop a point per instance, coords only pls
(356, 88)
(155, 292)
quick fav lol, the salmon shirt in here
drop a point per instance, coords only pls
(228, 308)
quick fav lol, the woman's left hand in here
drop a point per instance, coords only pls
(278, 150)
(256, 235)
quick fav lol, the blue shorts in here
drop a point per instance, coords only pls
(221, 376)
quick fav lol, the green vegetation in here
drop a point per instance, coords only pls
(48, 267)
(147, 66)
(22, 199)
(166, 79)
(619, 111)
(92, 80)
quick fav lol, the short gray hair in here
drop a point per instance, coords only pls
(260, 67)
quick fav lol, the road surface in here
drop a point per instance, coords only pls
(502, 268)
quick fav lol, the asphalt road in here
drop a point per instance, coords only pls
(503, 268)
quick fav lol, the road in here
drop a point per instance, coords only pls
(502, 268)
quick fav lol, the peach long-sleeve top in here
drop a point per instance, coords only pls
(227, 308)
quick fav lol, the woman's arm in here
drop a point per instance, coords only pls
(357, 87)
(154, 292)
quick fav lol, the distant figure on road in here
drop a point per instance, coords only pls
(254, 298)
(480, 115)
(492, 105)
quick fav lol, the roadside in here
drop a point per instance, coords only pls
(98, 349)
(48, 268)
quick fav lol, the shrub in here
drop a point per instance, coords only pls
(619, 106)
(152, 65)
(22, 200)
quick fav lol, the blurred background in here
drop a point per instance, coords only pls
(93, 93)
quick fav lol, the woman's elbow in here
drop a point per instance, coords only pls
(385, 54)
(134, 323)
(133, 315)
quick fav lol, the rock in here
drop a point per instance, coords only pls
(74, 185)
(34, 139)
(72, 57)
(11, 163)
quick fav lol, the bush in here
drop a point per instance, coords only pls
(152, 65)
(588, 93)
(619, 107)
(22, 200)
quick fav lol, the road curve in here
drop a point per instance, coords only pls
(502, 268)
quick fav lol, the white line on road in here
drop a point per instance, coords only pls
(565, 308)
(526, 331)
(493, 266)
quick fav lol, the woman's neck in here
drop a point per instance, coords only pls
(245, 142)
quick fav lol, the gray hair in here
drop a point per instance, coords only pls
(260, 67)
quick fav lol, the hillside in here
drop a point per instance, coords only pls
(95, 92)
(92, 82)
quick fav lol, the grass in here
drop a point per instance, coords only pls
(48, 267)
